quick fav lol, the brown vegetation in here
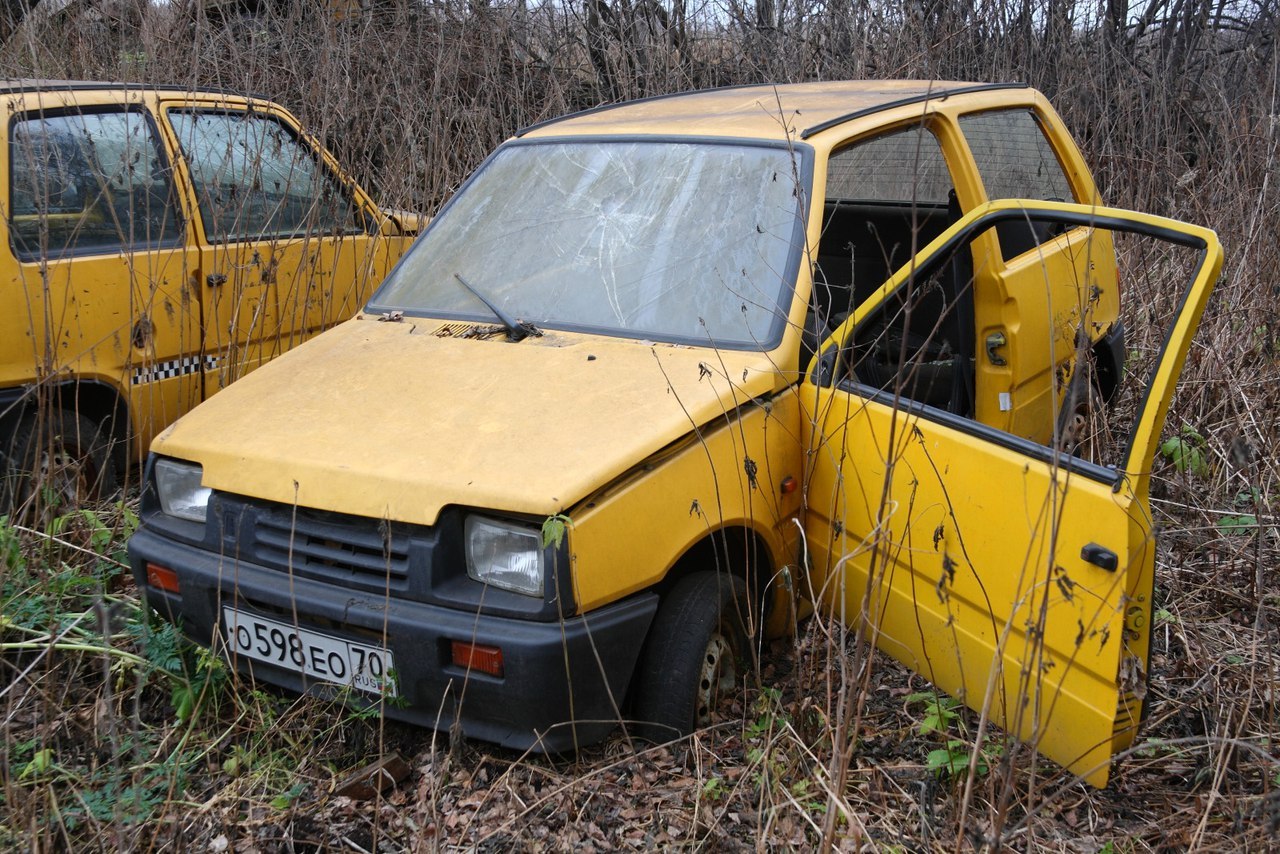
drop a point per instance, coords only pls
(115, 737)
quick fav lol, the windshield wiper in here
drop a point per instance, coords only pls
(517, 330)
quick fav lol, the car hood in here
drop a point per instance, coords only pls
(401, 419)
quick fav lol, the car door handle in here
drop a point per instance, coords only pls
(1100, 556)
(995, 341)
(215, 279)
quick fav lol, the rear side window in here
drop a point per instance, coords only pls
(88, 183)
(1016, 161)
(255, 180)
(1014, 157)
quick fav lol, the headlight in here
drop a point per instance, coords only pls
(504, 555)
(178, 487)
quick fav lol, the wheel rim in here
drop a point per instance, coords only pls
(718, 677)
(1084, 431)
(67, 474)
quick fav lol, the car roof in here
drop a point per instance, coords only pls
(16, 85)
(756, 111)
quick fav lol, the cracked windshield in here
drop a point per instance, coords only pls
(684, 242)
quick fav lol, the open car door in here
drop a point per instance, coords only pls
(1013, 574)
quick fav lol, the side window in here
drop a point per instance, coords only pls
(254, 179)
(901, 166)
(1016, 161)
(88, 183)
(1014, 157)
(886, 197)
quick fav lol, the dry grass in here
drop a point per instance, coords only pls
(1178, 117)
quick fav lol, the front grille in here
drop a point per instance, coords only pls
(326, 543)
(376, 561)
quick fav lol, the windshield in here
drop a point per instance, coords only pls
(693, 242)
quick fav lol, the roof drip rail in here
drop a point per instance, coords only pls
(19, 85)
(937, 95)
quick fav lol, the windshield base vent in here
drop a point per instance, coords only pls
(469, 330)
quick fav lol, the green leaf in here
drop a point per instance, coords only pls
(939, 711)
(1192, 435)
(553, 529)
(1250, 497)
(1242, 524)
(184, 702)
(283, 800)
(40, 764)
(713, 789)
(1185, 455)
(951, 759)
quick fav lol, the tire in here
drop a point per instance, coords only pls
(57, 462)
(693, 657)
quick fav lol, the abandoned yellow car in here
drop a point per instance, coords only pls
(159, 243)
(662, 375)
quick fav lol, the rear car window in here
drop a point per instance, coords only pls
(88, 182)
(1014, 157)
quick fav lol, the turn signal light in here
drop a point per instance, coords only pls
(162, 578)
(476, 657)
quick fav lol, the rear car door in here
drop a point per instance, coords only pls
(1013, 575)
(288, 246)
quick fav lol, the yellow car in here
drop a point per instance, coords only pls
(159, 243)
(662, 376)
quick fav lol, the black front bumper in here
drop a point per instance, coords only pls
(563, 682)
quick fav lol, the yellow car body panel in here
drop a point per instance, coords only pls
(736, 473)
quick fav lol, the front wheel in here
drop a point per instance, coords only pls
(693, 657)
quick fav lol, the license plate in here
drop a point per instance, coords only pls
(321, 657)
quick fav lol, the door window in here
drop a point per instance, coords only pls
(917, 344)
(89, 183)
(254, 179)
(901, 166)
(1073, 369)
(1014, 157)
(886, 197)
